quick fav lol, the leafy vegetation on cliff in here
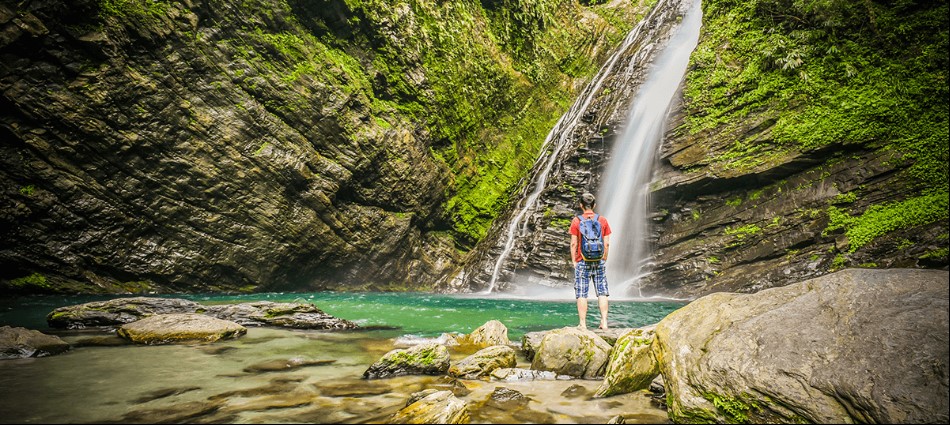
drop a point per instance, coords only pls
(832, 75)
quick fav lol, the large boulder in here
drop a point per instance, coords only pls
(493, 332)
(422, 359)
(120, 311)
(572, 351)
(16, 342)
(484, 362)
(854, 346)
(432, 407)
(179, 328)
(631, 366)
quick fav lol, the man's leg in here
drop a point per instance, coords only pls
(600, 283)
(582, 312)
(581, 285)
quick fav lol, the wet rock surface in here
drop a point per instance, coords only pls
(17, 342)
(261, 313)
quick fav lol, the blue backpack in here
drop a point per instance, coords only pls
(592, 238)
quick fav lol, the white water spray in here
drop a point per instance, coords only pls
(624, 192)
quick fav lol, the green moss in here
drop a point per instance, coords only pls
(734, 409)
(33, 281)
(825, 74)
(742, 232)
(27, 190)
(879, 220)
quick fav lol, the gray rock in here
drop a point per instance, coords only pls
(423, 359)
(530, 342)
(484, 362)
(859, 345)
(179, 328)
(572, 351)
(17, 342)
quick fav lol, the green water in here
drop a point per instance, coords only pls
(413, 314)
(104, 380)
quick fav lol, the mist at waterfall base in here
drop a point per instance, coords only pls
(624, 192)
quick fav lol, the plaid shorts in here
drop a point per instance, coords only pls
(584, 272)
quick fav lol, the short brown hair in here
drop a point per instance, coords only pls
(588, 200)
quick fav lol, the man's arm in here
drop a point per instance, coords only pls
(573, 249)
(606, 246)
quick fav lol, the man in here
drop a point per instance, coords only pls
(587, 271)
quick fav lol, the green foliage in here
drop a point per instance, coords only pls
(27, 190)
(832, 72)
(882, 219)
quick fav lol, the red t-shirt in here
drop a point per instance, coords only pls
(576, 231)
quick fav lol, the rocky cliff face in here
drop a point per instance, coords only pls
(217, 145)
(783, 161)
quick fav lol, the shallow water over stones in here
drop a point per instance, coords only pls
(270, 376)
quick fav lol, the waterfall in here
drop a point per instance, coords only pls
(624, 192)
(556, 140)
(563, 132)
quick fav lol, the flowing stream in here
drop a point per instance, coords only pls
(275, 375)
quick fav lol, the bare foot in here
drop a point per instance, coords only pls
(603, 326)
(582, 327)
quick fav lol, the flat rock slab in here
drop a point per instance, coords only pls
(179, 328)
(120, 311)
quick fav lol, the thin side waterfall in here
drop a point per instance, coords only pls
(557, 138)
(624, 193)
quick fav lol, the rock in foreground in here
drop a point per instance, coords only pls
(858, 345)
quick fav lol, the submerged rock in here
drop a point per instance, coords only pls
(424, 359)
(432, 407)
(16, 342)
(572, 351)
(179, 328)
(283, 365)
(519, 374)
(260, 313)
(858, 345)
